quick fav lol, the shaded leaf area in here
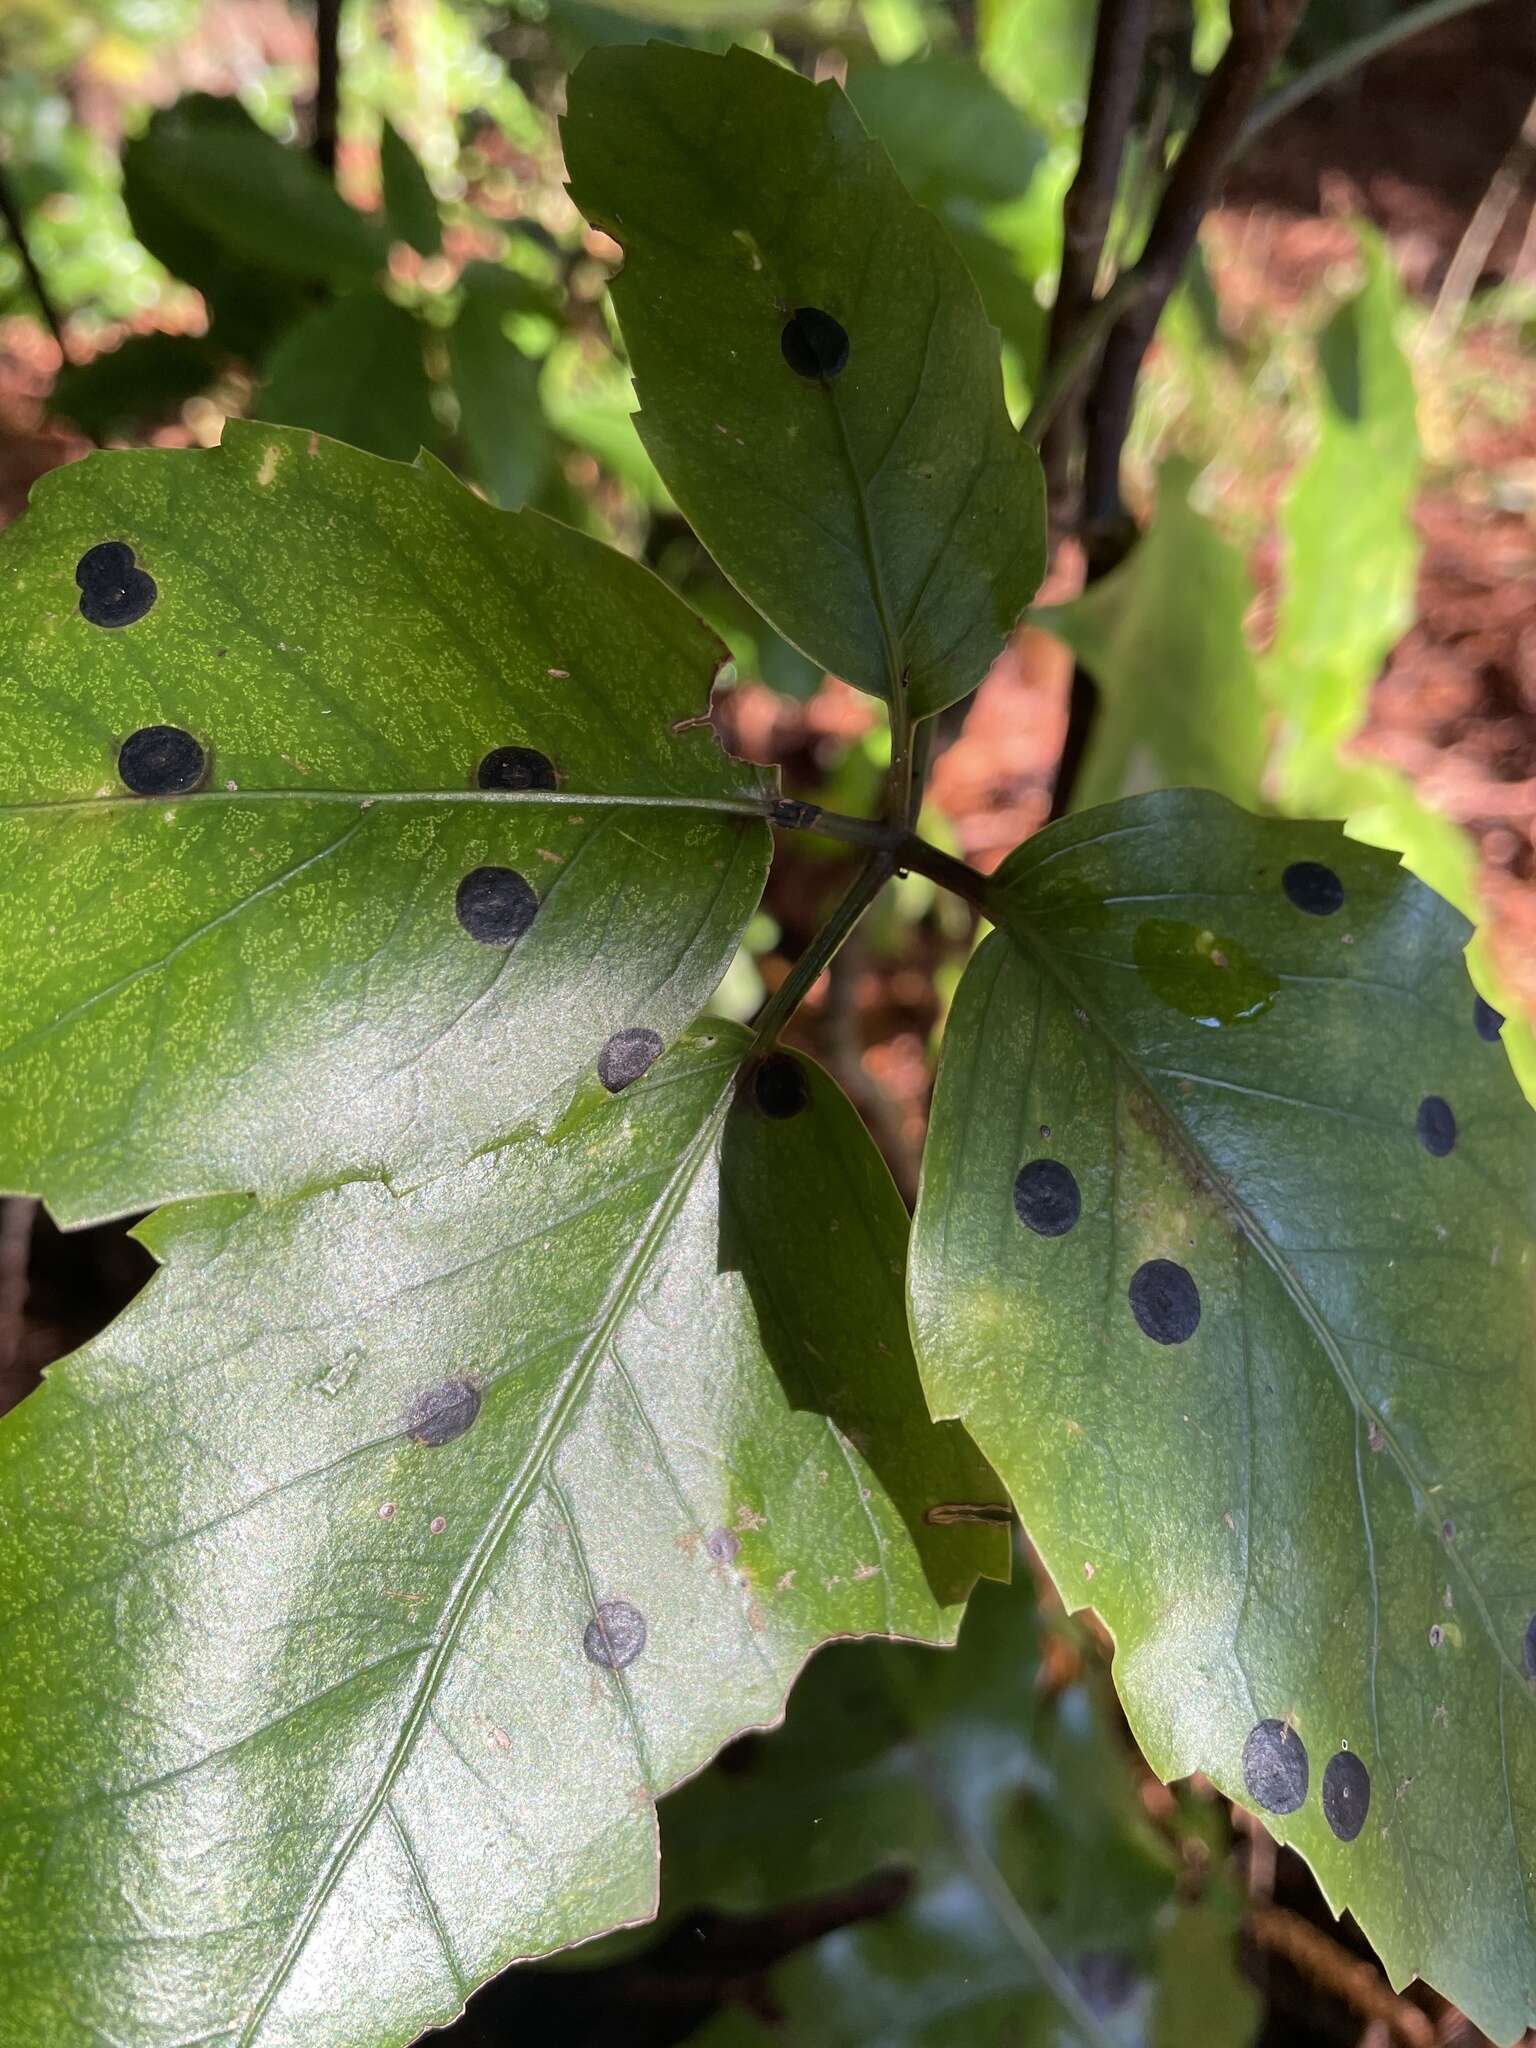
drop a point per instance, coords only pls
(1225, 1253)
(508, 442)
(819, 385)
(409, 206)
(348, 1644)
(1028, 1898)
(147, 379)
(353, 370)
(1163, 638)
(328, 948)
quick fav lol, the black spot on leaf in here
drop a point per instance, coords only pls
(778, 1086)
(626, 1056)
(442, 1413)
(495, 905)
(1528, 1649)
(722, 1545)
(161, 760)
(1046, 1198)
(1346, 1794)
(1165, 1301)
(1437, 1126)
(615, 1635)
(1275, 1767)
(814, 344)
(114, 591)
(516, 768)
(1486, 1020)
(1313, 888)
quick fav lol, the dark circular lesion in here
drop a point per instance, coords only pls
(516, 768)
(114, 590)
(779, 1087)
(1165, 1301)
(161, 760)
(1487, 1022)
(1436, 1125)
(815, 345)
(1275, 1767)
(1313, 887)
(1346, 1794)
(1046, 1197)
(627, 1055)
(615, 1635)
(441, 1413)
(495, 905)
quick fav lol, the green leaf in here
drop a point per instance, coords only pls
(1257, 1374)
(957, 143)
(352, 1631)
(353, 370)
(1036, 1884)
(510, 447)
(884, 517)
(146, 380)
(265, 983)
(1163, 638)
(409, 205)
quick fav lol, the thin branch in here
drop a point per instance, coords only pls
(327, 83)
(1119, 50)
(1349, 57)
(1476, 245)
(1079, 354)
(10, 209)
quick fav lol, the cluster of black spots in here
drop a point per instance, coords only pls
(778, 1086)
(516, 768)
(722, 1545)
(161, 760)
(1046, 1199)
(1437, 1126)
(114, 590)
(626, 1056)
(441, 1413)
(1165, 1302)
(1528, 1649)
(1486, 1021)
(1313, 888)
(815, 345)
(495, 905)
(1275, 1767)
(1346, 1794)
(615, 1635)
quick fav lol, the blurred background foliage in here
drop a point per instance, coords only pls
(1332, 611)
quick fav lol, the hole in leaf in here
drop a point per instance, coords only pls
(1275, 1768)
(1346, 1794)
(1313, 888)
(161, 760)
(615, 1635)
(1165, 1301)
(1437, 1126)
(1046, 1199)
(114, 591)
(626, 1056)
(443, 1413)
(516, 768)
(815, 345)
(495, 905)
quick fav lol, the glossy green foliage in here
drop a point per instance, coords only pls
(818, 383)
(346, 641)
(1029, 1899)
(1225, 1252)
(409, 206)
(1163, 638)
(353, 370)
(350, 1631)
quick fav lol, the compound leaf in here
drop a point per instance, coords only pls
(818, 383)
(351, 1632)
(322, 946)
(1225, 1253)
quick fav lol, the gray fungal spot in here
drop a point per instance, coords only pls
(1436, 1635)
(1436, 1126)
(615, 1635)
(495, 905)
(161, 760)
(626, 1056)
(114, 591)
(1275, 1768)
(1165, 1301)
(441, 1413)
(1346, 1794)
(722, 1545)
(1046, 1199)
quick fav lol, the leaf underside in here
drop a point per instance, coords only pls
(1260, 1380)
(351, 1632)
(885, 517)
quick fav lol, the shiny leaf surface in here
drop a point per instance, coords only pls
(1225, 1253)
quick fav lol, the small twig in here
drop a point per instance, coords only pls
(1334, 1970)
(1119, 49)
(1476, 245)
(327, 83)
(1067, 370)
(10, 209)
(1349, 57)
